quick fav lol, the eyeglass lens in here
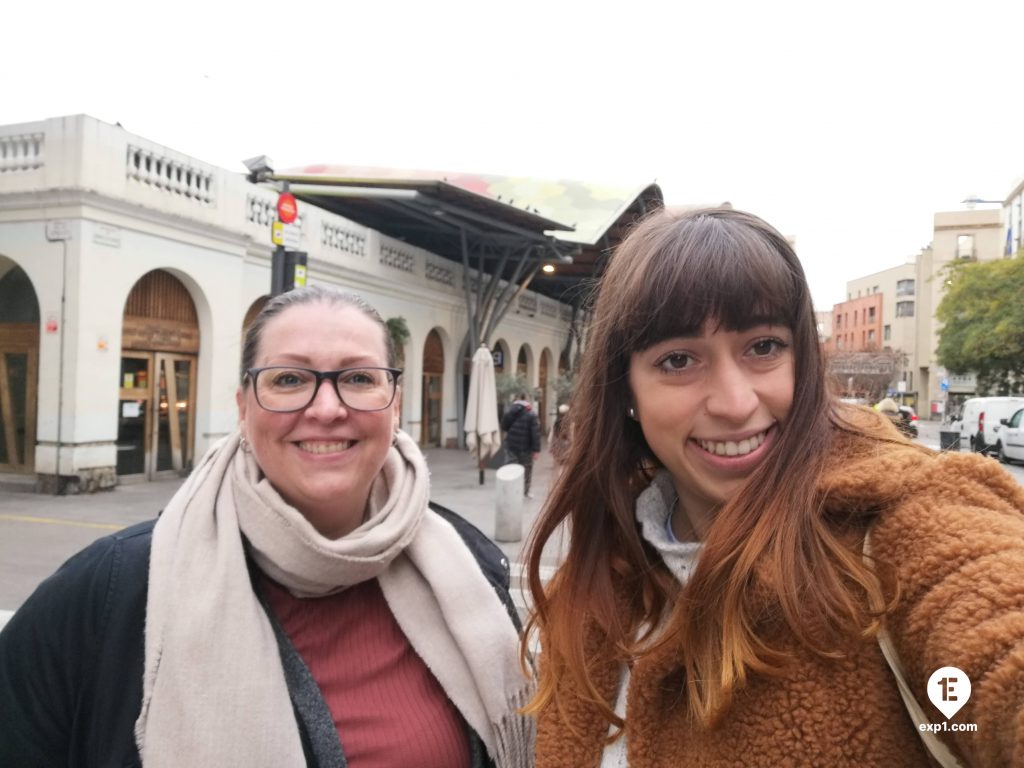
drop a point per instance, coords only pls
(292, 389)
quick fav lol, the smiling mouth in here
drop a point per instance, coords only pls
(733, 448)
(323, 446)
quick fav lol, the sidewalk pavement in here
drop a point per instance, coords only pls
(39, 532)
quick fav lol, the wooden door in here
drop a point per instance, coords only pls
(19, 367)
(160, 345)
(433, 390)
(431, 409)
(173, 435)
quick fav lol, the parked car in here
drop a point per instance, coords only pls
(1011, 438)
(908, 421)
(981, 421)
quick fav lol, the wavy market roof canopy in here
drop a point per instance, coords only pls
(571, 225)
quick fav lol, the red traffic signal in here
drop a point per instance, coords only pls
(287, 208)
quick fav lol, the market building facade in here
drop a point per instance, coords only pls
(128, 272)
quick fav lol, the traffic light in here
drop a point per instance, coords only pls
(287, 270)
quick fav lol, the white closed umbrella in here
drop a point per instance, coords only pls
(481, 426)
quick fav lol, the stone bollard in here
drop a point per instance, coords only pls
(508, 522)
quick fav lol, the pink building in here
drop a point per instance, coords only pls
(857, 324)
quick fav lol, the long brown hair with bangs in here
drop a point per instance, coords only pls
(673, 273)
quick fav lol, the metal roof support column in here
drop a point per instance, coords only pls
(481, 308)
(460, 391)
(493, 284)
(469, 338)
(496, 291)
(501, 304)
(515, 297)
(472, 316)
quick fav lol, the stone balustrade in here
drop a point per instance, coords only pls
(22, 152)
(171, 183)
(155, 169)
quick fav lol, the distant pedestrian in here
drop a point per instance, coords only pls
(559, 439)
(523, 438)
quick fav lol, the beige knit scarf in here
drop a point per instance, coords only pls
(214, 690)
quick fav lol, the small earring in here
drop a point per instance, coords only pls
(244, 445)
(631, 412)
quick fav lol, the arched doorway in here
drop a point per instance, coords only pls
(433, 389)
(159, 352)
(19, 366)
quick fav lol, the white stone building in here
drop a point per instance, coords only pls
(127, 273)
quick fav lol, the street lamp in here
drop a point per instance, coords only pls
(260, 168)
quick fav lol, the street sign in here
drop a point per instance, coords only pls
(287, 207)
(944, 385)
(288, 235)
(58, 229)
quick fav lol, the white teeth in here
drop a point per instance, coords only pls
(730, 448)
(320, 446)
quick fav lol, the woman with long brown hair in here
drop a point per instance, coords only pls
(719, 604)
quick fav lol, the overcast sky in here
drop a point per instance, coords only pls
(847, 126)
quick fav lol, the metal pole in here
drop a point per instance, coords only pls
(277, 271)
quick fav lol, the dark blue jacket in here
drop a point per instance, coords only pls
(523, 428)
(71, 659)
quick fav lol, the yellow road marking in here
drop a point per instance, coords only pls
(51, 521)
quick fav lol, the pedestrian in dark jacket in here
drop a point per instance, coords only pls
(298, 602)
(523, 438)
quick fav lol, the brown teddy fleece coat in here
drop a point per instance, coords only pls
(953, 527)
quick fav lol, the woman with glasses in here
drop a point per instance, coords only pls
(751, 565)
(298, 602)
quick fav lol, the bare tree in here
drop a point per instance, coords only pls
(868, 374)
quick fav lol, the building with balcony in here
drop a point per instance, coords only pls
(129, 270)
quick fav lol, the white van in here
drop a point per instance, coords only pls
(980, 419)
(1011, 441)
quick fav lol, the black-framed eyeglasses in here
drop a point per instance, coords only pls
(285, 389)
